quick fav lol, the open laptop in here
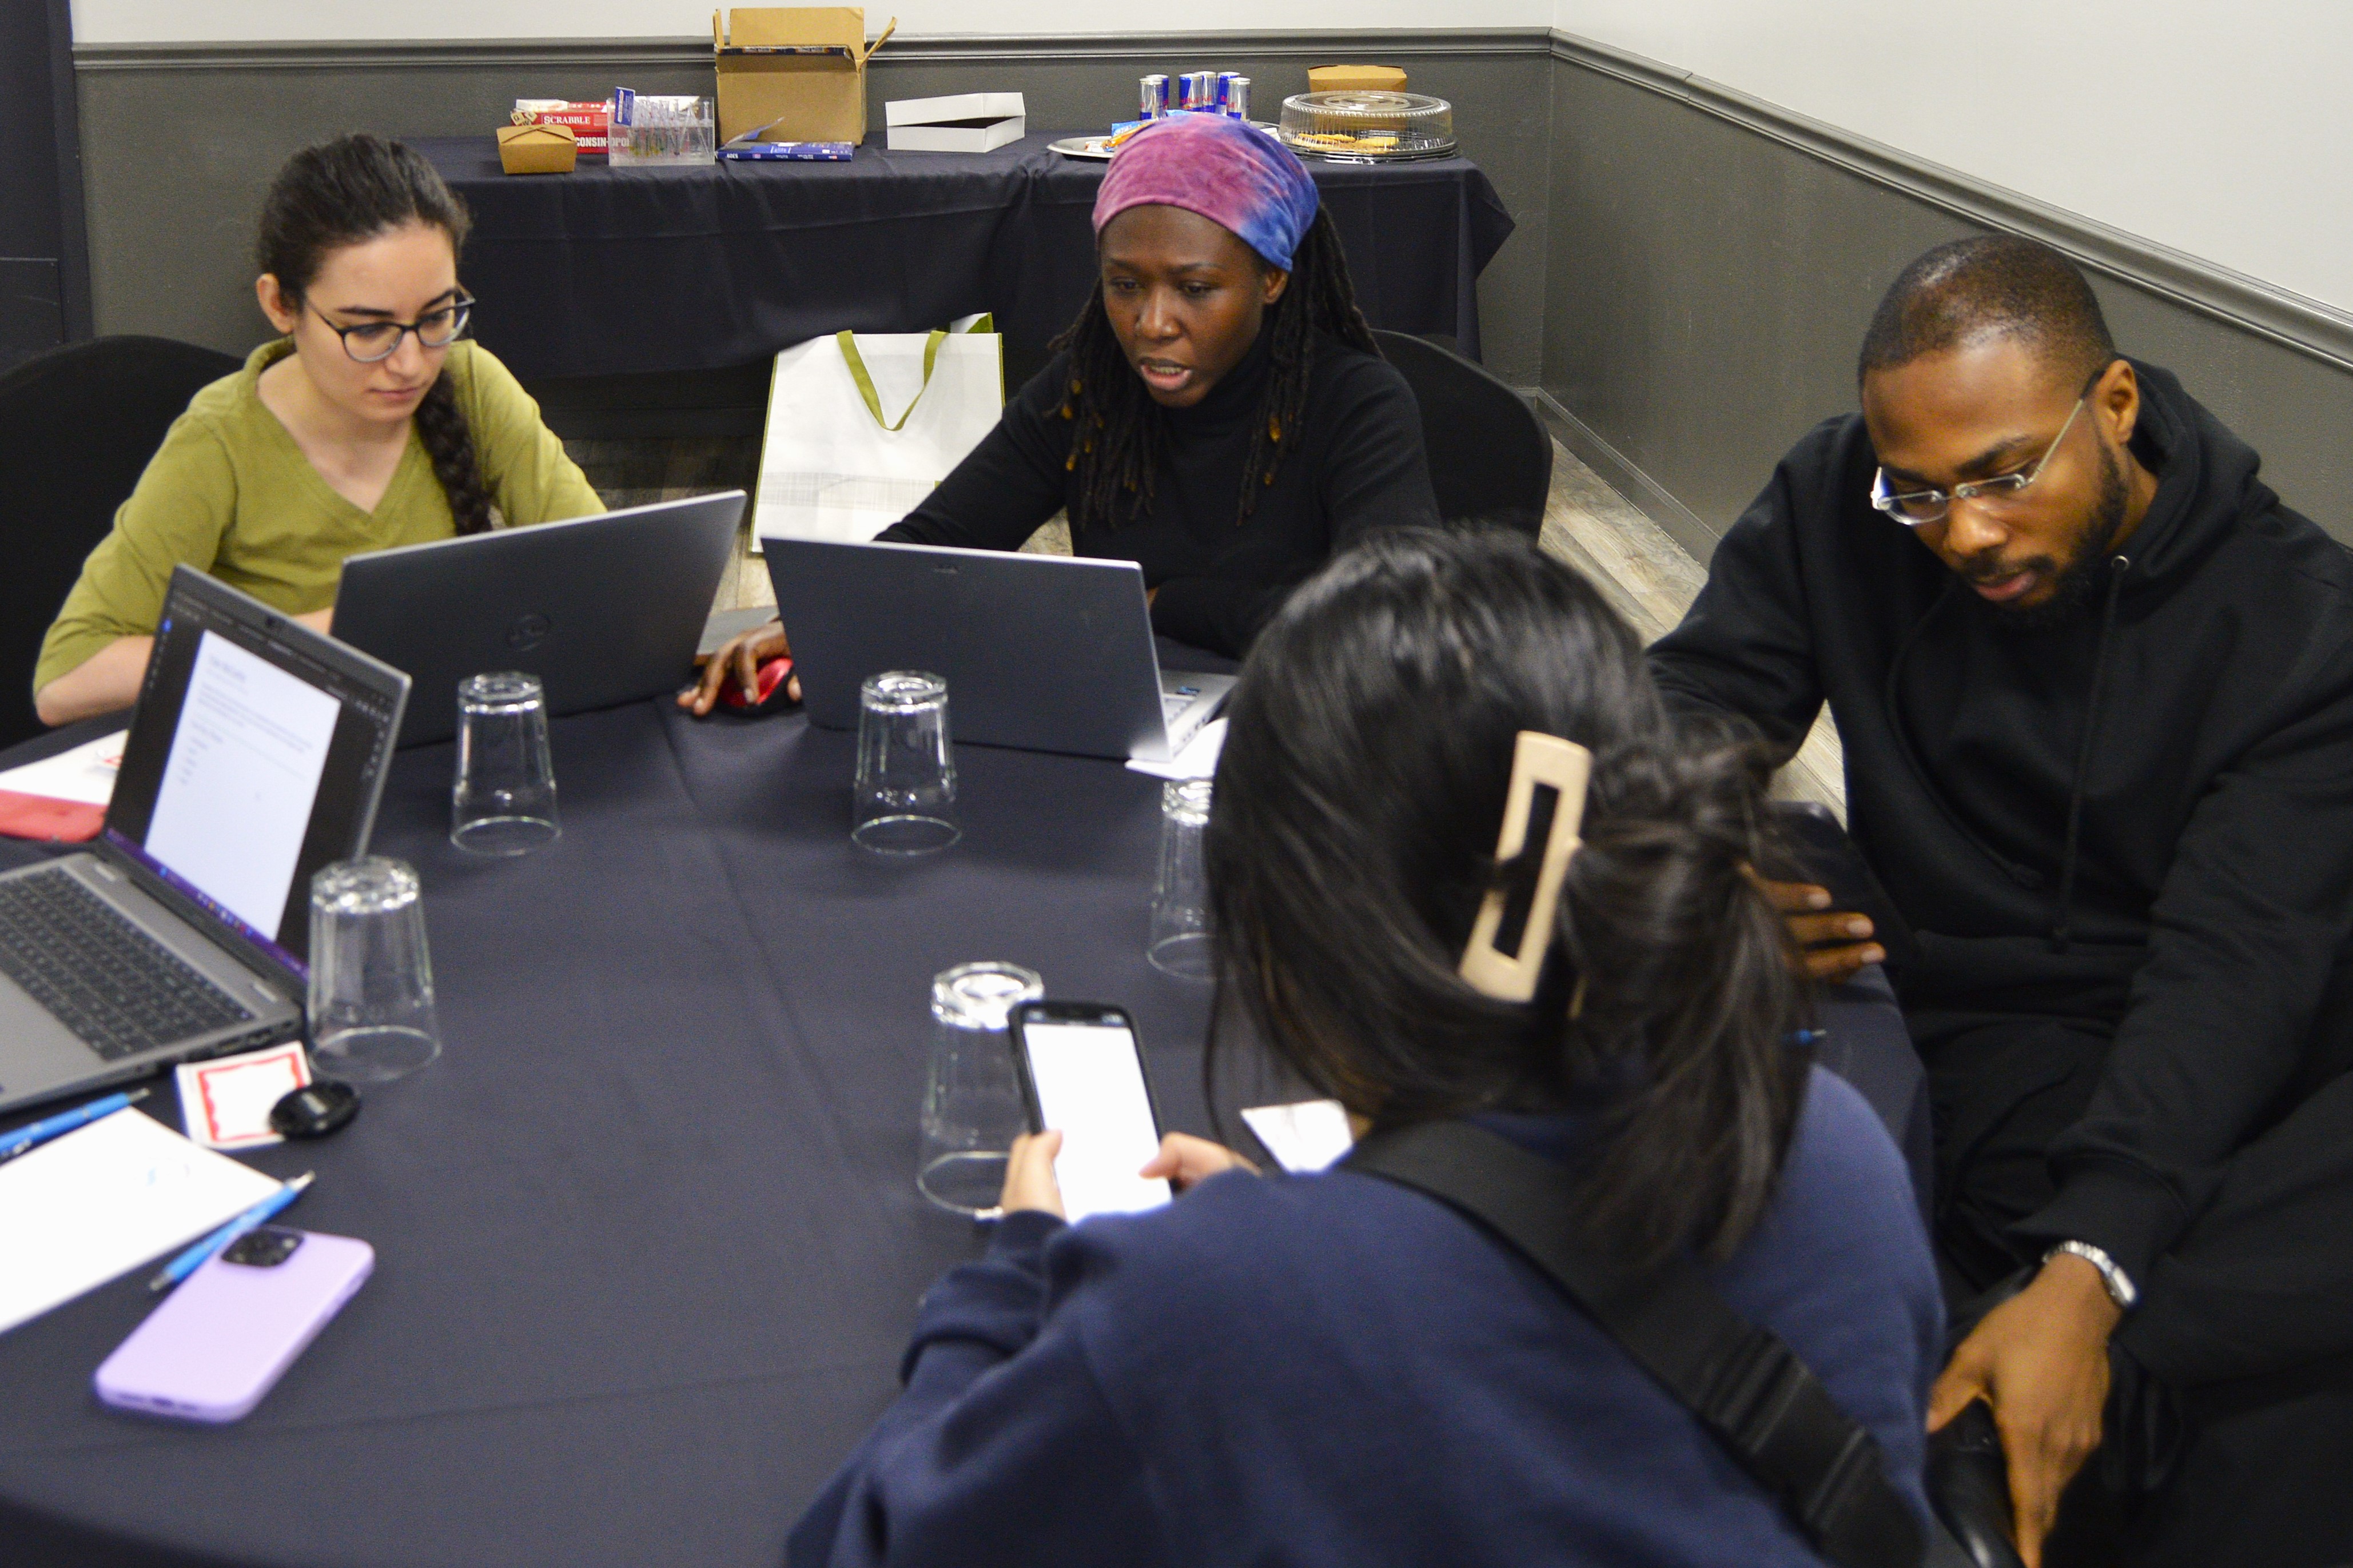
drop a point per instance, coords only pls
(257, 755)
(1049, 652)
(604, 609)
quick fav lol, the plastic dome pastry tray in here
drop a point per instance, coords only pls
(1368, 127)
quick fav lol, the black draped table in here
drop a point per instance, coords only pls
(609, 271)
(648, 1238)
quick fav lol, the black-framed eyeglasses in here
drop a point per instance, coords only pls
(1914, 508)
(372, 341)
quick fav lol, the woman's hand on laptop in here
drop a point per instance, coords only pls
(739, 660)
(319, 621)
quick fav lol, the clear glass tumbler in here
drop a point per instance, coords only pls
(503, 801)
(1180, 943)
(972, 1099)
(904, 800)
(372, 1015)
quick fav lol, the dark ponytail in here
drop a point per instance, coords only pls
(1358, 800)
(353, 189)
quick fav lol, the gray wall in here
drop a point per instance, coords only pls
(170, 234)
(1709, 277)
(1689, 276)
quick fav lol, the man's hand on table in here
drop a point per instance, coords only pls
(1833, 942)
(2040, 1360)
(739, 657)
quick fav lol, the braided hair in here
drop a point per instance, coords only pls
(350, 190)
(1117, 449)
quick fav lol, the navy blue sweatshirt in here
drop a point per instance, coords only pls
(2200, 720)
(1358, 466)
(1336, 1370)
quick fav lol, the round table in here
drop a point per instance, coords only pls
(648, 1237)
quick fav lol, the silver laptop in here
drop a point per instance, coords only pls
(604, 609)
(257, 755)
(1049, 652)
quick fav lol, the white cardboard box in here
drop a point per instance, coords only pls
(961, 122)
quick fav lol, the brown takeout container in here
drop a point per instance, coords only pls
(798, 71)
(1356, 79)
(537, 149)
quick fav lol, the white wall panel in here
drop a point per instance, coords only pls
(180, 21)
(2225, 131)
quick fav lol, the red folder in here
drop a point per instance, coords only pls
(47, 817)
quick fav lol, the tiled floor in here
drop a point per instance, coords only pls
(1643, 571)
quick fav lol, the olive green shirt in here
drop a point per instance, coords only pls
(230, 493)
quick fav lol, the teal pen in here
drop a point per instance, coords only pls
(14, 1144)
(188, 1262)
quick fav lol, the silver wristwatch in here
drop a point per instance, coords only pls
(2120, 1285)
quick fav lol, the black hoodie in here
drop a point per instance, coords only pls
(2140, 820)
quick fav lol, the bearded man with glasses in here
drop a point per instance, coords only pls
(2096, 689)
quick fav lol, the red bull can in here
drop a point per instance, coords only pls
(1153, 98)
(1233, 94)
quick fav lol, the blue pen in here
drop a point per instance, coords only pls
(188, 1262)
(14, 1144)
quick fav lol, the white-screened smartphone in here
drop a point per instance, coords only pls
(1083, 1075)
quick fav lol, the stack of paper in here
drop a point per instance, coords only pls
(105, 1198)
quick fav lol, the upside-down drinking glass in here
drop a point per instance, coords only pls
(972, 1099)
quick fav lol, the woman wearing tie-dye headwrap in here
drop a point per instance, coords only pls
(1218, 413)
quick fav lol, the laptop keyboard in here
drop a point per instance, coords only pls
(98, 974)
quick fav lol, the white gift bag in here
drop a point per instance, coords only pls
(861, 427)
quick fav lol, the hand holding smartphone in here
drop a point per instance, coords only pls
(1082, 1073)
(229, 1332)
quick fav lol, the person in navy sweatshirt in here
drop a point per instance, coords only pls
(1332, 1369)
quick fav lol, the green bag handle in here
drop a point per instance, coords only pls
(858, 371)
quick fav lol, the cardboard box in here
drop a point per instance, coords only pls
(537, 149)
(961, 122)
(794, 74)
(1356, 79)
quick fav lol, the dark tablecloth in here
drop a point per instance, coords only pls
(609, 271)
(648, 1238)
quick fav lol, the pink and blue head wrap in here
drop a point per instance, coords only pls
(1237, 177)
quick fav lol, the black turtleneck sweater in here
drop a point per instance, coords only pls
(1358, 466)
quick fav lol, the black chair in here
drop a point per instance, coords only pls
(77, 428)
(1490, 457)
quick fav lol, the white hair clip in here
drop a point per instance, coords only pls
(1565, 766)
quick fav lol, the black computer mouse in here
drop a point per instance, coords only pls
(315, 1110)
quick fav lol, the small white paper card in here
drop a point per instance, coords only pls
(80, 1209)
(225, 1101)
(1199, 759)
(1306, 1136)
(84, 775)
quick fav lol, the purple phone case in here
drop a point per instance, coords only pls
(216, 1346)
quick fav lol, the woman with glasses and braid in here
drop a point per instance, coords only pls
(1218, 413)
(369, 422)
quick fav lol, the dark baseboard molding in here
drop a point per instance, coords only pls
(1683, 526)
(404, 54)
(2251, 304)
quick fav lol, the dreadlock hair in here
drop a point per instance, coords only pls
(1120, 440)
(351, 190)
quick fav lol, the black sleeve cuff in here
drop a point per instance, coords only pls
(1210, 613)
(2132, 1218)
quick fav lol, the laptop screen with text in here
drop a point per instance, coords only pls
(254, 761)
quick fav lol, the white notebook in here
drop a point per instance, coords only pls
(80, 1210)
